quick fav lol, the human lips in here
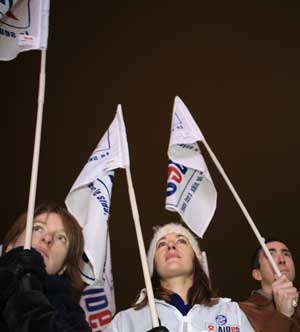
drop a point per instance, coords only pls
(284, 271)
(172, 255)
(43, 252)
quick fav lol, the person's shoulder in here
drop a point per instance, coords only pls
(221, 301)
(132, 312)
(228, 303)
(126, 320)
(256, 300)
(224, 300)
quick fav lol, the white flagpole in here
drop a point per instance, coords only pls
(136, 218)
(260, 239)
(36, 152)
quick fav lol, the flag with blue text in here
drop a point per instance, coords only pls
(98, 299)
(190, 190)
(23, 26)
(89, 201)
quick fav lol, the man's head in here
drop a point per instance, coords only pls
(262, 270)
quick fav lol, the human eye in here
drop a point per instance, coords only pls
(272, 252)
(181, 240)
(62, 238)
(287, 254)
(38, 228)
(161, 244)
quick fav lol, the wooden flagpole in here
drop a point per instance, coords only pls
(36, 152)
(260, 239)
(141, 245)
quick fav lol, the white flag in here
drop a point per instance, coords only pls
(190, 190)
(98, 299)
(89, 201)
(23, 26)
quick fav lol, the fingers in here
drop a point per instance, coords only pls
(285, 295)
(284, 287)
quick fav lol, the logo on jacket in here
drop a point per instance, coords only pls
(221, 320)
(220, 325)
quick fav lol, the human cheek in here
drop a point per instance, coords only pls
(35, 239)
(157, 260)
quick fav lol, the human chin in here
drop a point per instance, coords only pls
(42, 251)
(50, 269)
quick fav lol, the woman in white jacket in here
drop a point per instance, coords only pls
(184, 299)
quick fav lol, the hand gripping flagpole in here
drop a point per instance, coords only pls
(36, 152)
(136, 218)
(260, 239)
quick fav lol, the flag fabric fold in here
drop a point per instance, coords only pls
(23, 26)
(89, 201)
(190, 190)
(98, 298)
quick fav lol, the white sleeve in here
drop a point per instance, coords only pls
(113, 326)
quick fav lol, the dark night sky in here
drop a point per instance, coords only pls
(236, 66)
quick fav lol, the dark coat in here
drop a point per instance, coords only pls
(263, 316)
(50, 311)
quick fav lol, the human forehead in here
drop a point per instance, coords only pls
(276, 247)
(172, 236)
(51, 219)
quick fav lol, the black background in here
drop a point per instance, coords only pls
(235, 65)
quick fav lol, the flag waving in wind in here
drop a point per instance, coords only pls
(190, 190)
(89, 201)
(23, 26)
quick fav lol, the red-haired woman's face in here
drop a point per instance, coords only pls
(49, 238)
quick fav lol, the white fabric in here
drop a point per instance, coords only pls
(190, 190)
(23, 26)
(167, 229)
(98, 298)
(89, 201)
(204, 263)
(222, 317)
(90, 196)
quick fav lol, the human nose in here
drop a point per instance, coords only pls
(171, 245)
(281, 259)
(47, 238)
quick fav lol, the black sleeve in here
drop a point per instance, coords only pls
(24, 305)
(159, 329)
(31, 311)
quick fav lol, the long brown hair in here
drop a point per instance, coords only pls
(75, 237)
(201, 291)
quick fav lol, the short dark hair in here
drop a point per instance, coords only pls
(255, 258)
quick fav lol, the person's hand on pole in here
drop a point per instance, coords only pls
(285, 295)
(159, 329)
(20, 268)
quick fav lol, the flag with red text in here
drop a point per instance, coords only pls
(23, 26)
(190, 190)
(89, 200)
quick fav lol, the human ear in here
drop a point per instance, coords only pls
(256, 275)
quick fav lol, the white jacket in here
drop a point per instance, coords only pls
(226, 316)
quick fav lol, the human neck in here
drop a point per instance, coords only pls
(266, 289)
(179, 285)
